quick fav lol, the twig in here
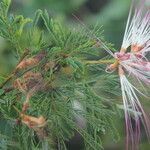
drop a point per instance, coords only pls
(100, 61)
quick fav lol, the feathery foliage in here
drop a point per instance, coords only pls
(53, 82)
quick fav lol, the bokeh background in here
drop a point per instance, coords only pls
(111, 14)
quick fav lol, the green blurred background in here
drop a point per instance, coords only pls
(111, 14)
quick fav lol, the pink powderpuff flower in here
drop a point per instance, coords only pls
(134, 63)
(132, 60)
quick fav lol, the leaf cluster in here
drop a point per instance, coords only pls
(68, 99)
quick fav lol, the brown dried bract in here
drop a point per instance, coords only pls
(33, 122)
(20, 85)
(31, 61)
(26, 63)
(33, 79)
(113, 66)
(29, 84)
(31, 74)
(38, 124)
(28, 81)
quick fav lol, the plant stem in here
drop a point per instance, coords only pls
(100, 61)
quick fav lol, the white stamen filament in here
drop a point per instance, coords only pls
(131, 101)
(137, 30)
